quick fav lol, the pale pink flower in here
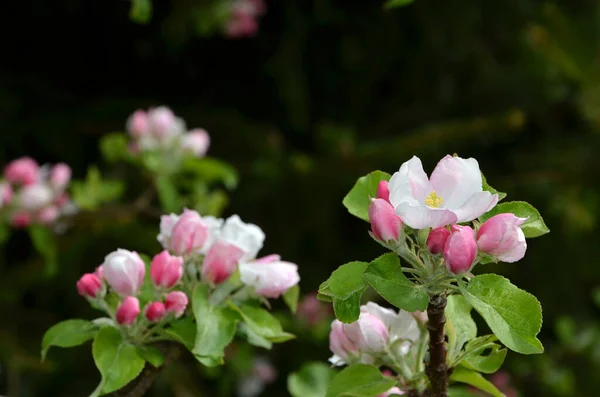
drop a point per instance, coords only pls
(502, 237)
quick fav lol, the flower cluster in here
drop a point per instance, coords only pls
(33, 194)
(243, 21)
(223, 246)
(158, 129)
(443, 204)
(197, 250)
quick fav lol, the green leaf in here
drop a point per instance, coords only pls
(358, 200)
(117, 360)
(151, 354)
(460, 326)
(211, 170)
(488, 188)
(534, 226)
(141, 11)
(475, 379)
(489, 363)
(397, 3)
(114, 147)
(515, 316)
(385, 276)
(311, 380)
(345, 286)
(167, 194)
(68, 333)
(44, 243)
(215, 327)
(262, 323)
(183, 331)
(461, 392)
(94, 191)
(324, 293)
(291, 298)
(253, 338)
(359, 380)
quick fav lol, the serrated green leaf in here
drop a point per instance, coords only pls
(358, 200)
(68, 333)
(152, 355)
(262, 323)
(534, 226)
(359, 380)
(514, 315)
(488, 363)
(460, 326)
(345, 286)
(475, 379)
(117, 360)
(291, 298)
(385, 276)
(215, 327)
(311, 380)
(183, 331)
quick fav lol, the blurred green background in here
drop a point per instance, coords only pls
(326, 92)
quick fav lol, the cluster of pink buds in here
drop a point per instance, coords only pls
(159, 129)
(244, 18)
(444, 205)
(216, 248)
(33, 194)
(124, 273)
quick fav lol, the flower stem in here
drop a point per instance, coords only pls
(437, 370)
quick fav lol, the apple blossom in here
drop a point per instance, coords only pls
(452, 194)
(49, 214)
(437, 240)
(89, 285)
(155, 311)
(340, 345)
(128, 311)
(189, 233)
(166, 270)
(196, 142)
(24, 171)
(385, 224)
(124, 271)
(137, 124)
(176, 302)
(383, 191)
(35, 197)
(502, 237)
(269, 276)
(60, 176)
(460, 249)
(392, 391)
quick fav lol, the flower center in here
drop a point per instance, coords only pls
(433, 200)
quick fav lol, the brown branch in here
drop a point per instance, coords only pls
(437, 370)
(146, 378)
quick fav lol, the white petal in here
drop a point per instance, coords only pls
(420, 216)
(409, 181)
(337, 361)
(247, 236)
(455, 180)
(518, 251)
(388, 316)
(405, 326)
(477, 205)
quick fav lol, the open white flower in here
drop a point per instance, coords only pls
(454, 193)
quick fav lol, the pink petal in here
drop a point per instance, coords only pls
(409, 181)
(477, 205)
(420, 216)
(456, 180)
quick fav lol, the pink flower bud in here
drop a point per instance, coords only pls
(189, 233)
(60, 176)
(124, 271)
(369, 333)
(176, 302)
(20, 219)
(89, 285)
(24, 171)
(339, 343)
(128, 311)
(196, 142)
(35, 197)
(155, 311)
(385, 224)
(393, 390)
(460, 249)
(6, 194)
(163, 123)
(436, 241)
(241, 25)
(166, 270)
(312, 310)
(383, 192)
(48, 215)
(502, 237)
(137, 124)
(269, 276)
(220, 261)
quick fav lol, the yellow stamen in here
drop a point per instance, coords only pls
(433, 200)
